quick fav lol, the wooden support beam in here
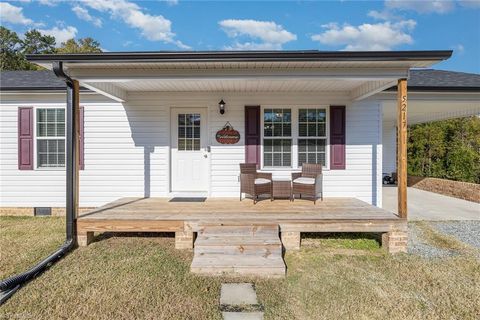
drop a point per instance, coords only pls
(290, 240)
(84, 238)
(402, 147)
(72, 147)
(76, 92)
(184, 239)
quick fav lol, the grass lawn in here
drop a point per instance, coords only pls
(145, 277)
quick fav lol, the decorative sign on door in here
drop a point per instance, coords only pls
(227, 135)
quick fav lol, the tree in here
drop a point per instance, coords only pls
(37, 43)
(13, 49)
(447, 149)
(85, 45)
(11, 57)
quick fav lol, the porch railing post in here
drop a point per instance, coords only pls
(402, 147)
(72, 156)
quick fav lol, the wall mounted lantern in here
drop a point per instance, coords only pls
(221, 106)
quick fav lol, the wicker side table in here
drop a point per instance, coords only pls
(282, 188)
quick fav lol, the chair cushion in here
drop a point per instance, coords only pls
(261, 181)
(304, 180)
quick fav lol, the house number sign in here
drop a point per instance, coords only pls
(227, 135)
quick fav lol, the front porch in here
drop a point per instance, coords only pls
(171, 105)
(189, 216)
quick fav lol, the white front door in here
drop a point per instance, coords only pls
(190, 163)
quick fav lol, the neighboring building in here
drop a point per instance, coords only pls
(148, 127)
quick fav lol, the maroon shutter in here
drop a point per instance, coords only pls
(337, 137)
(81, 140)
(25, 138)
(252, 135)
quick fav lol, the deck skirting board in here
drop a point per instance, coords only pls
(163, 215)
(121, 225)
(344, 225)
(372, 225)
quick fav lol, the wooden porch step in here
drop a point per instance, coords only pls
(241, 245)
(254, 250)
(250, 265)
(239, 229)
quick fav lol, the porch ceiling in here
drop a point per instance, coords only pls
(240, 85)
(358, 74)
(355, 89)
(427, 107)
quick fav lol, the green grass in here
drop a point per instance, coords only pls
(347, 241)
(144, 277)
(24, 241)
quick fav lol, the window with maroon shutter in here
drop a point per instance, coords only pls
(252, 135)
(50, 139)
(337, 138)
(25, 138)
(277, 138)
(312, 136)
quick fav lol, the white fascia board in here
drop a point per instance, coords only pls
(123, 75)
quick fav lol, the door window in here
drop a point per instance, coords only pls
(188, 132)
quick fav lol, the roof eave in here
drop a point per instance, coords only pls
(244, 56)
(50, 89)
(437, 89)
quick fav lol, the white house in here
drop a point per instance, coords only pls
(156, 139)
(149, 121)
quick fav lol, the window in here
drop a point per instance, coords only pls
(312, 136)
(277, 142)
(50, 138)
(189, 132)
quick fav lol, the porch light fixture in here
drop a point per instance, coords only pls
(221, 106)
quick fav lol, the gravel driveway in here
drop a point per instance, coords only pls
(467, 232)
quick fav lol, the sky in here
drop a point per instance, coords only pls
(125, 25)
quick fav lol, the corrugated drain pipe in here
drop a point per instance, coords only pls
(10, 285)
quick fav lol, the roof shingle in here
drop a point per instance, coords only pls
(30, 80)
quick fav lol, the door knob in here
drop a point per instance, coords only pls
(205, 156)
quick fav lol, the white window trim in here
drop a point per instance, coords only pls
(295, 136)
(291, 137)
(36, 138)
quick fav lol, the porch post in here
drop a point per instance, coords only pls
(72, 156)
(402, 147)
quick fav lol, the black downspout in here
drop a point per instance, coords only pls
(71, 146)
(10, 285)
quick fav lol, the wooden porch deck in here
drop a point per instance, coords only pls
(181, 215)
(241, 238)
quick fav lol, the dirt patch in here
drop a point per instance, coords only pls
(457, 189)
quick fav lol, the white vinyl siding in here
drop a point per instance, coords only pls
(389, 137)
(127, 147)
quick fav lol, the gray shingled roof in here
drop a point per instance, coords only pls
(30, 80)
(422, 79)
(429, 78)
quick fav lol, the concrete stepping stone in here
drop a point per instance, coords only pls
(237, 294)
(239, 301)
(242, 315)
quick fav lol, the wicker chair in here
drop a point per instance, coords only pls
(254, 183)
(308, 182)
